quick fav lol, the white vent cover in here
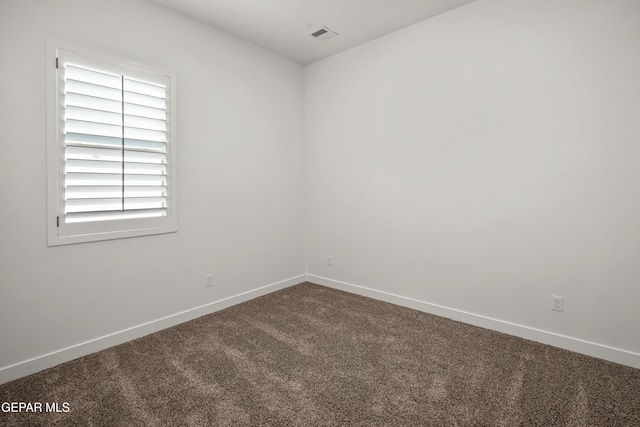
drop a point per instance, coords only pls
(324, 33)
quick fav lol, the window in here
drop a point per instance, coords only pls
(111, 152)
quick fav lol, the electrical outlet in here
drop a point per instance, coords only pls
(330, 260)
(557, 303)
(209, 280)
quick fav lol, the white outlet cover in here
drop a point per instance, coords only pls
(557, 303)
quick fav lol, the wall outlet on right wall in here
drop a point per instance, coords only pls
(557, 303)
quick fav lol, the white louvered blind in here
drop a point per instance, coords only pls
(115, 173)
(115, 146)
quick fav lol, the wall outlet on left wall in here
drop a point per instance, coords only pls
(208, 280)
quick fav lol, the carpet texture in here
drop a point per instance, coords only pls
(310, 355)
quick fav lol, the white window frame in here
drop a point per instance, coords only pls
(58, 231)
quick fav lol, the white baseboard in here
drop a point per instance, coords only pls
(577, 345)
(45, 361)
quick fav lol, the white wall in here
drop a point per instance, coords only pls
(483, 160)
(241, 204)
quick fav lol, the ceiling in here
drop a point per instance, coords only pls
(284, 26)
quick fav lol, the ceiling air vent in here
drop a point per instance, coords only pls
(324, 33)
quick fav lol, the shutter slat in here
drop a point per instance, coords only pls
(145, 100)
(97, 141)
(145, 135)
(106, 192)
(145, 169)
(136, 203)
(144, 157)
(97, 179)
(88, 166)
(114, 167)
(92, 102)
(101, 92)
(93, 192)
(145, 123)
(73, 179)
(142, 111)
(92, 128)
(83, 139)
(93, 116)
(114, 204)
(141, 145)
(101, 78)
(143, 88)
(93, 205)
(110, 216)
(113, 155)
(93, 154)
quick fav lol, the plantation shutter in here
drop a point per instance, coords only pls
(115, 145)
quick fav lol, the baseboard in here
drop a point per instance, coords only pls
(37, 364)
(577, 345)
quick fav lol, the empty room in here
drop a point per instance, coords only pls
(339, 212)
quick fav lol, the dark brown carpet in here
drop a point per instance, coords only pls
(310, 355)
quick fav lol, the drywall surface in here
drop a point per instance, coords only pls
(484, 160)
(240, 165)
